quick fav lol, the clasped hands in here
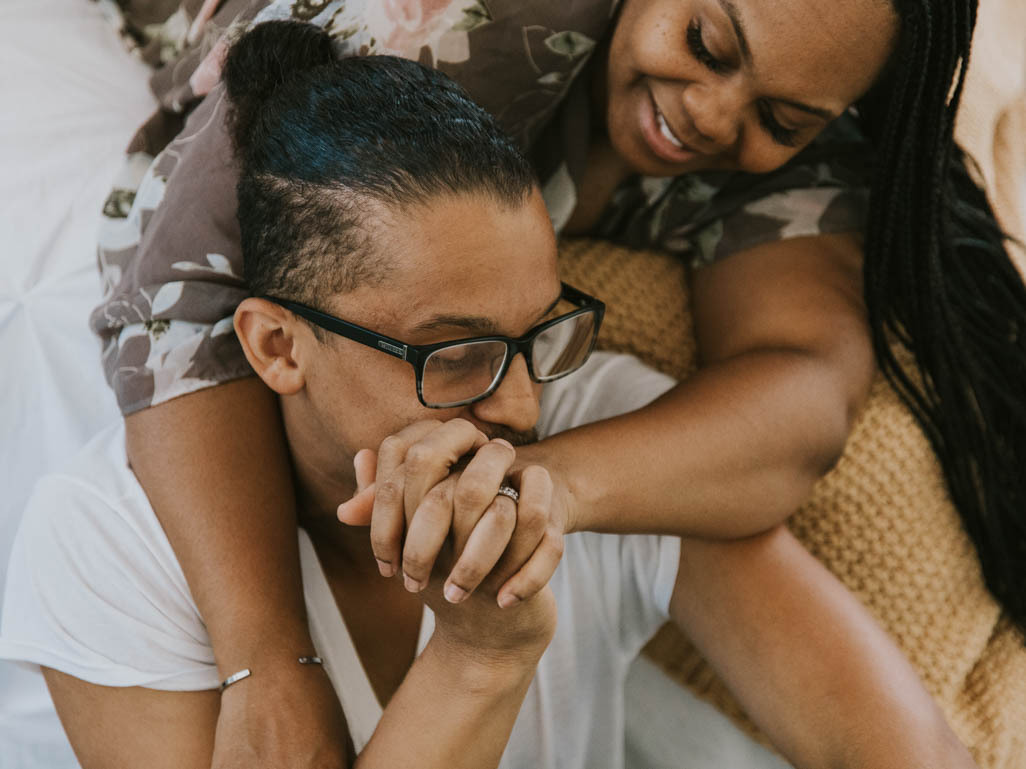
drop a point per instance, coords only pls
(435, 483)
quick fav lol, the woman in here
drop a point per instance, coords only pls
(742, 85)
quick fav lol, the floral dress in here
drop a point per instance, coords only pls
(169, 250)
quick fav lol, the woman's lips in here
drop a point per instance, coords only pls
(660, 138)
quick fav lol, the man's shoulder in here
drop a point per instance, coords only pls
(93, 497)
(608, 385)
(100, 468)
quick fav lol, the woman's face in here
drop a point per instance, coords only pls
(737, 84)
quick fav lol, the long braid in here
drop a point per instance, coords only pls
(939, 281)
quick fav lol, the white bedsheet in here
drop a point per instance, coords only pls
(71, 98)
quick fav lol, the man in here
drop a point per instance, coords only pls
(406, 297)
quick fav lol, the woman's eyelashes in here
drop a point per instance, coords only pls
(700, 52)
(788, 137)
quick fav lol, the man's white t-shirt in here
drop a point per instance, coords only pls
(94, 590)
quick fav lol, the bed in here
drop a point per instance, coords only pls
(72, 98)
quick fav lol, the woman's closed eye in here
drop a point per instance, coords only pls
(787, 137)
(700, 51)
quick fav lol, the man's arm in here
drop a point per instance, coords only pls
(806, 660)
(454, 710)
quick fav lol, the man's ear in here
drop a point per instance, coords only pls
(267, 333)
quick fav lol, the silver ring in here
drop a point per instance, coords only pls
(509, 491)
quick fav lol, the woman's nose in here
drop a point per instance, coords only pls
(715, 111)
(515, 402)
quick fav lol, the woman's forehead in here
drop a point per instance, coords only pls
(813, 49)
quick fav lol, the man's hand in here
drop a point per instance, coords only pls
(282, 717)
(412, 488)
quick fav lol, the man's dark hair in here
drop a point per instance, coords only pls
(939, 282)
(320, 140)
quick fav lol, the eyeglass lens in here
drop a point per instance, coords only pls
(563, 347)
(462, 372)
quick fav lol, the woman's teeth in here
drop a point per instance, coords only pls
(664, 129)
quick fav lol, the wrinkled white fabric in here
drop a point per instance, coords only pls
(94, 590)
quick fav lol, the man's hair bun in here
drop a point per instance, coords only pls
(262, 60)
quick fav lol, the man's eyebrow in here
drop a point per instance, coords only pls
(746, 53)
(475, 324)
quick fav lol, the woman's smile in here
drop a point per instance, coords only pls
(665, 143)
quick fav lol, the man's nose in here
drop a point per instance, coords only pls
(515, 402)
(715, 110)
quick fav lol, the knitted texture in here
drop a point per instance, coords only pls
(881, 521)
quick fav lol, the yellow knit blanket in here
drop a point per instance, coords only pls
(881, 521)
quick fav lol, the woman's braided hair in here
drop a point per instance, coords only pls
(939, 281)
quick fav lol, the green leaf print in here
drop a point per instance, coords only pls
(473, 16)
(569, 43)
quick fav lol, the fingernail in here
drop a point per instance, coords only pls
(503, 441)
(507, 600)
(454, 593)
(386, 569)
(411, 584)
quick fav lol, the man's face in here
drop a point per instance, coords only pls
(456, 267)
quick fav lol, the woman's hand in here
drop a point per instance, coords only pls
(412, 488)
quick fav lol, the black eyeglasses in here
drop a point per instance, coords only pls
(463, 371)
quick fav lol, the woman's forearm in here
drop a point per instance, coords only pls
(215, 467)
(733, 450)
(730, 452)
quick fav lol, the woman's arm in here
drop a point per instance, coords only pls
(785, 364)
(215, 468)
(807, 661)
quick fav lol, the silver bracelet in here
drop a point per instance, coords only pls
(246, 672)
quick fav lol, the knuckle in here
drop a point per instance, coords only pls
(470, 494)
(391, 446)
(554, 541)
(528, 585)
(415, 562)
(388, 492)
(468, 575)
(532, 521)
(463, 425)
(502, 447)
(418, 459)
(535, 473)
(437, 497)
(505, 514)
(382, 545)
